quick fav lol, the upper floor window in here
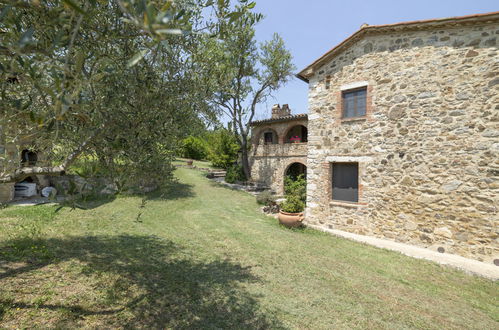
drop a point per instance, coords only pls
(268, 138)
(354, 103)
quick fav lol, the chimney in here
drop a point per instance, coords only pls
(286, 111)
(276, 111)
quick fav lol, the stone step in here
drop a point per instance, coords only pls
(216, 174)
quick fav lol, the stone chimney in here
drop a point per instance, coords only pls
(278, 112)
(285, 111)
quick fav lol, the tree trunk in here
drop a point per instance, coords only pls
(245, 160)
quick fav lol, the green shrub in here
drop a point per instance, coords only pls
(293, 204)
(296, 187)
(194, 148)
(223, 148)
(265, 198)
(295, 191)
(234, 173)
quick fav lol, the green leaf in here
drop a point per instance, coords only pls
(150, 14)
(74, 6)
(234, 16)
(137, 57)
(80, 60)
(251, 5)
(170, 31)
(180, 14)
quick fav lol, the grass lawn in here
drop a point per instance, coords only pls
(197, 163)
(202, 256)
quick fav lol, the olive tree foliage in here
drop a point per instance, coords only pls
(113, 80)
(247, 74)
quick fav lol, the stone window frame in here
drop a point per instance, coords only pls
(362, 163)
(260, 137)
(350, 88)
(355, 197)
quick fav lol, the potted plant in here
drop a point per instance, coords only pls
(189, 162)
(291, 211)
(295, 139)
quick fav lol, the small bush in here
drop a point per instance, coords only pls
(222, 148)
(295, 191)
(194, 148)
(297, 186)
(293, 204)
(265, 198)
(235, 173)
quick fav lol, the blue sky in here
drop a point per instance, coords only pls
(310, 28)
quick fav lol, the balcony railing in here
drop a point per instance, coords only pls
(286, 149)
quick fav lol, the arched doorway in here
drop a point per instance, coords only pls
(295, 180)
(297, 134)
(295, 170)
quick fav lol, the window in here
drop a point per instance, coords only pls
(268, 138)
(354, 103)
(346, 182)
(297, 134)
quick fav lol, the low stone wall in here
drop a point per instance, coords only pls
(6, 192)
(8, 156)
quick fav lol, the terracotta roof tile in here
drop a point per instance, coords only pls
(275, 120)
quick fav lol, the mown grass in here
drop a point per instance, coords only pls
(197, 163)
(202, 256)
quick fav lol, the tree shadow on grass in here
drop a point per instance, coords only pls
(173, 191)
(152, 283)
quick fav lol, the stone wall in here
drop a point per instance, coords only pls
(9, 160)
(428, 148)
(269, 162)
(8, 154)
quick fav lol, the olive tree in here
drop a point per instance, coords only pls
(247, 74)
(113, 79)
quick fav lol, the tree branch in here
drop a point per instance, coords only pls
(255, 101)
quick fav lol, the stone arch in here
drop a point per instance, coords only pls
(296, 168)
(262, 138)
(281, 172)
(294, 132)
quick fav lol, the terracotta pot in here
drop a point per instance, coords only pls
(189, 163)
(290, 219)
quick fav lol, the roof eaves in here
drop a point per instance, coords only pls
(305, 73)
(280, 119)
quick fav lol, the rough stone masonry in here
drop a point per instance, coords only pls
(427, 149)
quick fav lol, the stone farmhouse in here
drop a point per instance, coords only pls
(279, 146)
(402, 136)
